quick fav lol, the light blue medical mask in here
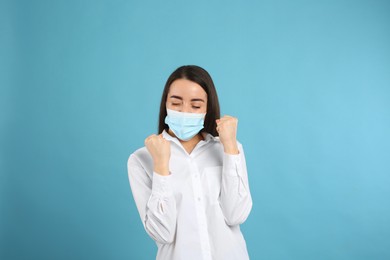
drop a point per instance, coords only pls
(184, 125)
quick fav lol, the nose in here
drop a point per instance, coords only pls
(186, 108)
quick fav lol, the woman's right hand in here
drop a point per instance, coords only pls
(160, 150)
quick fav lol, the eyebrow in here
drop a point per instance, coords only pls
(194, 99)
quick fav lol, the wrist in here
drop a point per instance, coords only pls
(231, 148)
(161, 168)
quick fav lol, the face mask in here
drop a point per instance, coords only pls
(184, 125)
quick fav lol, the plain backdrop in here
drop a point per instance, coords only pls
(81, 83)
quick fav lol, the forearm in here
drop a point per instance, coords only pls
(235, 200)
(161, 212)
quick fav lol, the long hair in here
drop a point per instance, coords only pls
(202, 77)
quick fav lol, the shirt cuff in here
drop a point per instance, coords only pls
(231, 163)
(161, 185)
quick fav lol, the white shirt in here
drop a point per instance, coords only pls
(195, 212)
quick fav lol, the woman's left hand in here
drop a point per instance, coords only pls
(227, 130)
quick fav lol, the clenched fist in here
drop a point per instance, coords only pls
(160, 150)
(227, 130)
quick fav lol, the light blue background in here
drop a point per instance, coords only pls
(80, 89)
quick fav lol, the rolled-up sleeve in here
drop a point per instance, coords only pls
(155, 201)
(235, 200)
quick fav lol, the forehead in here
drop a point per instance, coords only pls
(186, 89)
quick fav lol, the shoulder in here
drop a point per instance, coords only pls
(216, 147)
(216, 141)
(140, 158)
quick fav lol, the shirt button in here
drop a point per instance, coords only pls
(198, 198)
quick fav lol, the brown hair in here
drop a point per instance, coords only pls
(202, 77)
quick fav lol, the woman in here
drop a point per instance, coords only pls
(190, 182)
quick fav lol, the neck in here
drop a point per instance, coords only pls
(190, 144)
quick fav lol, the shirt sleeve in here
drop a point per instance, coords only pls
(154, 200)
(235, 200)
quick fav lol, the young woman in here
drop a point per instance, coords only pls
(190, 181)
